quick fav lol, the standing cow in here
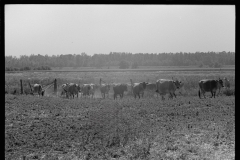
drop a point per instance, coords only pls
(73, 89)
(119, 89)
(88, 90)
(37, 88)
(64, 89)
(209, 85)
(70, 89)
(164, 86)
(104, 89)
(138, 88)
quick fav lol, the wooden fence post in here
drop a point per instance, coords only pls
(30, 87)
(55, 86)
(21, 85)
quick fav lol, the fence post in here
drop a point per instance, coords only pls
(21, 85)
(30, 87)
(55, 86)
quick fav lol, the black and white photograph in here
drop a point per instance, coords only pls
(119, 81)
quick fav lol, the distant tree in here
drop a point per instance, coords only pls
(211, 65)
(123, 65)
(200, 65)
(134, 65)
(217, 65)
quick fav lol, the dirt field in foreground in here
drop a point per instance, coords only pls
(149, 128)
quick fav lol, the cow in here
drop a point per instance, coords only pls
(64, 88)
(92, 89)
(164, 86)
(180, 87)
(104, 88)
(37, 88)
(209, 85)
(88, 89)
(119, 89)
(73, 89)
(138, 88)
(151, 86)
(70, 89)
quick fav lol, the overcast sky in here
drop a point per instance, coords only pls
(73, 29)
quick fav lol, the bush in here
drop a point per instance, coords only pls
(217, 65)
(135, 65)
(42, 68)
(200, 65)
(229, 92)
(123, 65)
(26, 68)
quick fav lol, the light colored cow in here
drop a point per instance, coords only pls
(37, 88)
(138, 88)
(164, 86)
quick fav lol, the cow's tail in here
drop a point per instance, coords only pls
(199, 93)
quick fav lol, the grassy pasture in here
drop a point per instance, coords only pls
(190, 78)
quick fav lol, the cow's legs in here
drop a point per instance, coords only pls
(212, 94)
(199, 94)
(203, 93)
(174, 95)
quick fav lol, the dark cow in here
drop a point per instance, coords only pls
(164, 86)
(73, 89)
(37, 88)
(104, 88)
(119, 89)
(70, 89)
(209, 85)
(138, 88)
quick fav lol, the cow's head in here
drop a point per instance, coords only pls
(220, 82)
(42, 92)
(108, 87)
(124, 87)
(177, 83)
(144, 85)
(78, 88)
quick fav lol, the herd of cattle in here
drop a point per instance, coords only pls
(161, 87)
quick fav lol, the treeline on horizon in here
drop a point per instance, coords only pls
(121, 59)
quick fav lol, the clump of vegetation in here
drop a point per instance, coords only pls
(229, 92)
(200, 65)
(135, 65)
(27, 68)
(123, 65)
(217, 65)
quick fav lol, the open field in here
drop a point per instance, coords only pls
(183, 128)
(187, 127)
